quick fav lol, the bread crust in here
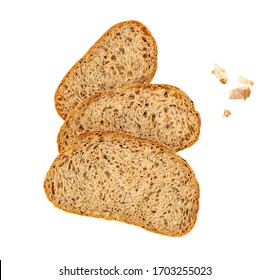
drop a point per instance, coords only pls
(178, 159)
(147, 78)
(151, 88)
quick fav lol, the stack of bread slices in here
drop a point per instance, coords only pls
(118, 143)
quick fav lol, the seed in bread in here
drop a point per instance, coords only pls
(125, 54)
(158, 112)
(116, 176)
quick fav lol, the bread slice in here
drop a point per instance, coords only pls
(116, 176)
(158, 112)
(125, 54)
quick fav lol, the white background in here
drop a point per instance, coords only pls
(41, 40)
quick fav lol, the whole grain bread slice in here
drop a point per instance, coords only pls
(116, 176)
(125, 54)
(162, 113)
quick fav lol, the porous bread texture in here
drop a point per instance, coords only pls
(116, 176)
(158, 112)
(125, 54)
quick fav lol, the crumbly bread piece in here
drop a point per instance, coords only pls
(243, 80)
(240, 93)
(117, 176)
(125, 54)
(226, 113)
(158, 112)
(220, 73)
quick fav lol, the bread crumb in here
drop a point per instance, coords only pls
(245, 81)
(226, 113)
(240, 93)
(220, 73)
